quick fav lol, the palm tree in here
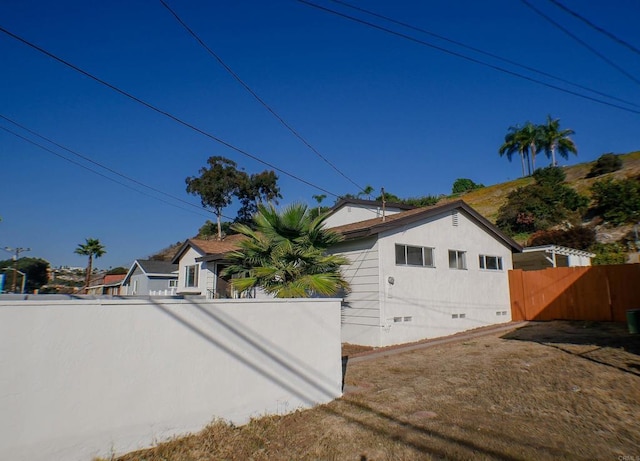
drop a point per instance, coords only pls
(286, 255)
(92, 248)
(514, 142)
(557, 140)
(532, 136)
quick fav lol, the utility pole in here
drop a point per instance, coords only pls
(16, 255)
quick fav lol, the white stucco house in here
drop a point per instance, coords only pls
(421, 273)
(147, 277)
(200, 264)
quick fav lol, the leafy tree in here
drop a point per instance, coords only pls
(541, 205)
(606, 163)
(286, 255)
(581, 238)
(117, 271)
(215, 185)
(218, 184)
(555, 140)
(617, 201)
(609, 253)
(461, 185)
(388, 198)
(368, 190)
(93, 249)
(526, 141)
(36, 270)
(426, 200)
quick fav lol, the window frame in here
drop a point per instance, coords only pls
(191, 281)
(460, 256)
(423, 254)
(482, 263)
(173, 283)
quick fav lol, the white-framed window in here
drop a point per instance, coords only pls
(457, 259)
(490, 263)
(407, 255)
(191, 276)
(173, 283)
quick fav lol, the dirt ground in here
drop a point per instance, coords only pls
(546, 391)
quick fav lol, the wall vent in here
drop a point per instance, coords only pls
(454, 316)
(408, 319)
(454, 218)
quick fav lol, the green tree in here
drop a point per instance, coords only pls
(215, 185)
(461, 185)
(93, 249)
(609, 253)
(117, 271)
(368, 190)
(255, 189)
(554, 140)
(36, 270)
(514, 141)
(617, 201)
(285, 255)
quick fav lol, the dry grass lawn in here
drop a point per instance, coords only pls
(547, 391)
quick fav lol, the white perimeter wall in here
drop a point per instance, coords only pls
(85, 378)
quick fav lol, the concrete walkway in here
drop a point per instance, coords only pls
(463, 336)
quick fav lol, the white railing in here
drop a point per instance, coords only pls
(169, 292)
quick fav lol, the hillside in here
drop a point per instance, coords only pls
(488, 200)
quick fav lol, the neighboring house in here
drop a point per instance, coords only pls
(200, 264)
(542, 257)
(423, 273)
(147, 277)
(106, 285)
(348, 211)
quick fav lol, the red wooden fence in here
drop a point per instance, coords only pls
(598, 293)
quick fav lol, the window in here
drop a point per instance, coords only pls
(491, 263)
(173, 283)
(414, 256)
(191, 276)
(457, 259)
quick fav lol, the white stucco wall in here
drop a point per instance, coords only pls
(422, 300)
(355, 213)
(85, 378)
(431, 296)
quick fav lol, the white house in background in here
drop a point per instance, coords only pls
(147, 277)
(422, 273)
(545, 256)
(348, 211)
(200, 263)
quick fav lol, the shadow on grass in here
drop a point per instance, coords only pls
(605, 343)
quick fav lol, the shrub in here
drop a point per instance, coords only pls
(606, 163)
(549, 176)
(461, 185)
(608, 253)
(617, 201)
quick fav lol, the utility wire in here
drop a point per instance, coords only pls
(162, 112)
(593, 26)
(97, 172)
(465, 57)
(581, 42)
(110, 170)
(477, 50)
(255, 95)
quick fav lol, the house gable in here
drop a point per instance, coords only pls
(348, 211)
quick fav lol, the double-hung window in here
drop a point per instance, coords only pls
(491, 263)
(191, 276)
(407, 255)
(457, 259)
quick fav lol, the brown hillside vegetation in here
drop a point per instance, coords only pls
(488, 200)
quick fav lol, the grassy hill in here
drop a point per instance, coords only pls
(488, 200)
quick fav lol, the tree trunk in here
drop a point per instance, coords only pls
(88, 275)
(218, 211)
(553, 155)
(522, 161)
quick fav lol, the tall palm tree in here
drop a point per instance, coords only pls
(514, 142)
(286, 255)
(557, 140)
(92, 248)
(532, 136)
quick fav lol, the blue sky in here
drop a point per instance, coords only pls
(386, 111)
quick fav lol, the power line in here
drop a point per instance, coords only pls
(100, 174)
(110, 170)
(593, 26)
(162, 112)
(478, 50)
(255, 95)
(467, 58)
(581, 42)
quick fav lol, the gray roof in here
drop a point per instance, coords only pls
(150, 266)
